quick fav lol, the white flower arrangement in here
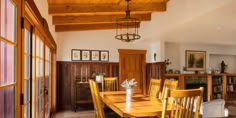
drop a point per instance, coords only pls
(129, 84)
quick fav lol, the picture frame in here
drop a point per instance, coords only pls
(85, 55)
(195, 60)
(104, 55)
(75, 54)
(95, 55)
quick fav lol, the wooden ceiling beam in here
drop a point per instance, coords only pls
(71, 9)
(84, 27)
(89, 19)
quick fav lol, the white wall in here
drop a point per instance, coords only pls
(176, 53)
(101, 40)
(43, 9)
(229, 60)
(172, 52)
(154, 33)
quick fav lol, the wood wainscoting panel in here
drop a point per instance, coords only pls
(155, 70)
(70, 72)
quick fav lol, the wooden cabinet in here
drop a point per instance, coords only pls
(231, 87)
(218, 86)
(82, 94)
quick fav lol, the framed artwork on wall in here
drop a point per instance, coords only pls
(95, 55)
(195, 60)
(75, 55)
(104, 55)
(85, 55)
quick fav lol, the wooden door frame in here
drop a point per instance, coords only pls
(143, 55)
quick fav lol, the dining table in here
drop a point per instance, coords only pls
(137, 105)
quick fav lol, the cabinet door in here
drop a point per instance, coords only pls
(133, 65)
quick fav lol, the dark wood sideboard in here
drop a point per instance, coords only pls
(71, 93)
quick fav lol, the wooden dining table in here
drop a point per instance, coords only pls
(136, 106)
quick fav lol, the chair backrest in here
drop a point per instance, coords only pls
(154, 87)
(213, 108)
(110, 84)
(171, 84)
(182, 103)
(97, 102)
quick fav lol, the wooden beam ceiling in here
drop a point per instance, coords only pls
(103, 8)
(80, 15)
(115, 2)
(84, 27)
(95, 19)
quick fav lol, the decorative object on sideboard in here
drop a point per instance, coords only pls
(98, 76)
(155, 56)
(75, 54)
(127, 27)
(104, 55)
(86, 75)
(223, 67)
(167, 62)
(195, 60)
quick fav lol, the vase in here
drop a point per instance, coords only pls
(129, 93)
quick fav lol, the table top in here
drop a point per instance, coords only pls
(136, 106)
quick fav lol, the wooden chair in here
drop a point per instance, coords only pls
(154, 87)
(182, 103)
(110, 84)
(171, 84)
(97, 102)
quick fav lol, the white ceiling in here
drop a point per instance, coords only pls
(199, 21)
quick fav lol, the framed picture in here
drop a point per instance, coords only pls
(85, 55)
(104, 55)
(95, 55)
(195, 60)
(75, 55)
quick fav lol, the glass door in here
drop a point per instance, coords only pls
(27, 69)
(8, 59)
(39, 77)
(47, 87)
(37, 74)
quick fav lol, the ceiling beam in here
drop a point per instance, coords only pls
(103, 8)
(84, 27)
(90, 19)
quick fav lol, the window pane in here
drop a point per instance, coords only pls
(8, 20)
(39, 107)
(27, 91)
(27, 67)
(47, 53)
(27, 111)
(27, 42)
(7, 63)
(7, 103)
